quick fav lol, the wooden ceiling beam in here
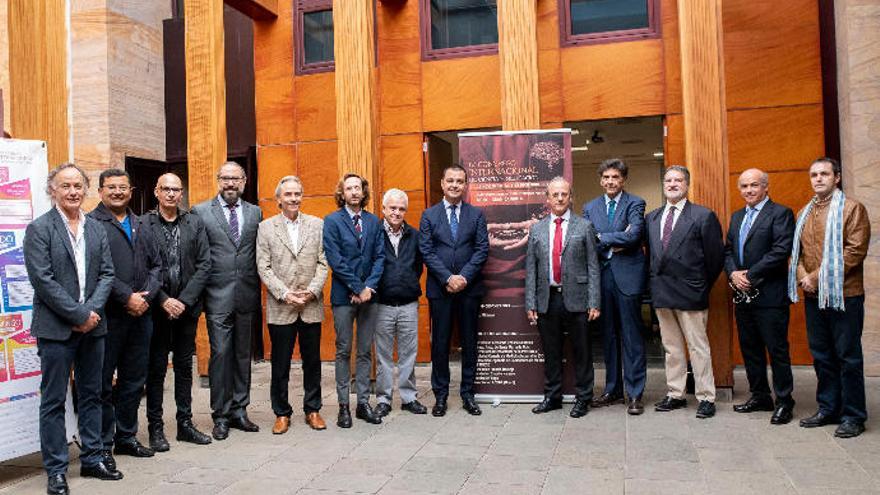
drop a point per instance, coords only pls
(258, 10)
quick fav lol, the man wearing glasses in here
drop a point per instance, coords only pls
(186, 258)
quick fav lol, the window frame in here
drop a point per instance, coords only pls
(429, 53)
(567, 39)
(300, 8)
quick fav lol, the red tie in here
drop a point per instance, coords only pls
(557, 252)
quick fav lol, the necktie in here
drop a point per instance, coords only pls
(557, 252)
(744, 231)
(453, 222)
(357, 227)
(667, 227)
(612, 207)
(233, 224)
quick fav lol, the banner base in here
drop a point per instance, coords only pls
(516, 399)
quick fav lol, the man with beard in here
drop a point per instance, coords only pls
(232, 298)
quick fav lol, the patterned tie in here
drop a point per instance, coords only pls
(233, 224)
(357, 228)
(667, 227)
(453, 222)
(612, 207)
(744, 231)
(557, 252)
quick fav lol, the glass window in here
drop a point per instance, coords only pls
(314, 36)
(459, 27)
(606, 20)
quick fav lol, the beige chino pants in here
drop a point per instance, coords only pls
(676, 328)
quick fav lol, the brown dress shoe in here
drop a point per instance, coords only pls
(282, 424)
(315, 420)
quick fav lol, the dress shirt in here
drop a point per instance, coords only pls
(678, 207)
(393, 236)
(616, 206)
(293, 230)
(238, 212)
(78, 242)
(446, 205)
(565, 217)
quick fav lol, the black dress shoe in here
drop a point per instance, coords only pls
(669, 404)
(819, 419)
(343, 419)
(607, 400)
(706, 409)
(439, 408)
(414, 407)
(158, 442)
(382, 409)
(57, 485)
(221, 430)
(755, 403)
(470, 405)
(187, 432)
(244, 424)
(547, 405)
(108, 460)
(366, 413)
(133, 448)
(783, 413)
(580, 409)
(635, 407)
(100, 471)
(849, 429)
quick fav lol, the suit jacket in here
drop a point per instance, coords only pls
(444, 257)
(765, 253)
(195, 259)
(625, 231)
(355, 264)
(580, 266)
(683, 274)
(283, 268)
(233, 283)
(51, 268)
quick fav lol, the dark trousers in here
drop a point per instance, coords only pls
(445, 311)
(835, 339)
(179, 338)
(553, 326)
(626, 367)
(85, 354)
(764, 331)
(229, 369)
(283, 338)
(127, 353)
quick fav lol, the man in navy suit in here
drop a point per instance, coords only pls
(619, 220)
(756, 260)
(355, 250)
(455, 244)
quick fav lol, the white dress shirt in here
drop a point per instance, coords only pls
(293, 230)
(446, 206)
(678, 207)
(565, 218)
(78, 242)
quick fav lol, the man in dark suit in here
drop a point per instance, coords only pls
(455, 244)
(232, 298)
(355, 250)
(686, 256)
(186, 259)
(756, 261)
(69, 266)
(619, 220)
(562, 294)
(130, 325)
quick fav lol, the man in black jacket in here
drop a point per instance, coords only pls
(398, 310)
(137, 267)
(186, 262)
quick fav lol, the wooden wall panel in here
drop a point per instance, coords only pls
(317, 167)
(674, 140)
(671, 55)
(401, 162)
(273, 78)
(791, 188)
(614, 79)
(518, 55)
(775, 139)
(461, 93)
(275, 162)
(549, 62)
(400, 68)
(319, 206)
(315, 107)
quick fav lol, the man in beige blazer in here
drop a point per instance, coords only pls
(291, 262)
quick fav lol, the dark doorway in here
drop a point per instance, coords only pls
(144, 174)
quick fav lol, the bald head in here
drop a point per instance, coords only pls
(169, 191)
(753, 186)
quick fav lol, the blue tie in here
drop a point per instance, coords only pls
(453, 222)
(612, 207)
(744, 231)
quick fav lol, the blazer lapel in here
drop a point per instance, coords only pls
(217, 210)
(682, 226)
(305, 233)
(760, 219)
(544, 236)
(65, 237)
(571, 226)
(281, 232)
(619, 208)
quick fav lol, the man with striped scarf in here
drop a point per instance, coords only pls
(827, 262)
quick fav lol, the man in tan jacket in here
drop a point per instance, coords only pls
(291, 262)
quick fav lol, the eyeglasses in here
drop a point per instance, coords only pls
(166, 190)
(226, 178)
(115, 188)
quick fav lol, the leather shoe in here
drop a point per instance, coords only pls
(606, 400)
(187, 432)
(158, 442)
(706, 409)
(669, 404)
(315, 421)
(100, 471)
(580, 409)
(244, 424)
(366, 413)
(108, 460)
(343, 420)
(439, 408)
(414, 407)
(57, 485)
(470, 405)
(282, 424)
(547, 405)
(635, 407)
(819, 419)
(382, 409)
(133, 448)
(783, 414)
(220, 431)
(849, 429)
(755, 403)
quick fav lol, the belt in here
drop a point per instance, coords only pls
(396, 303)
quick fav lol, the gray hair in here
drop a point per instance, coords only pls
(50, 180)
(680, 169)
(243, 173)
(285, 180)
(764, 178)
(560, 179)
(395, 193)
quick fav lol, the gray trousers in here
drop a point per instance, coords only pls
(403, 322)
(344, 318)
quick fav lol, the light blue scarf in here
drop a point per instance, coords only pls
(831, 270)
